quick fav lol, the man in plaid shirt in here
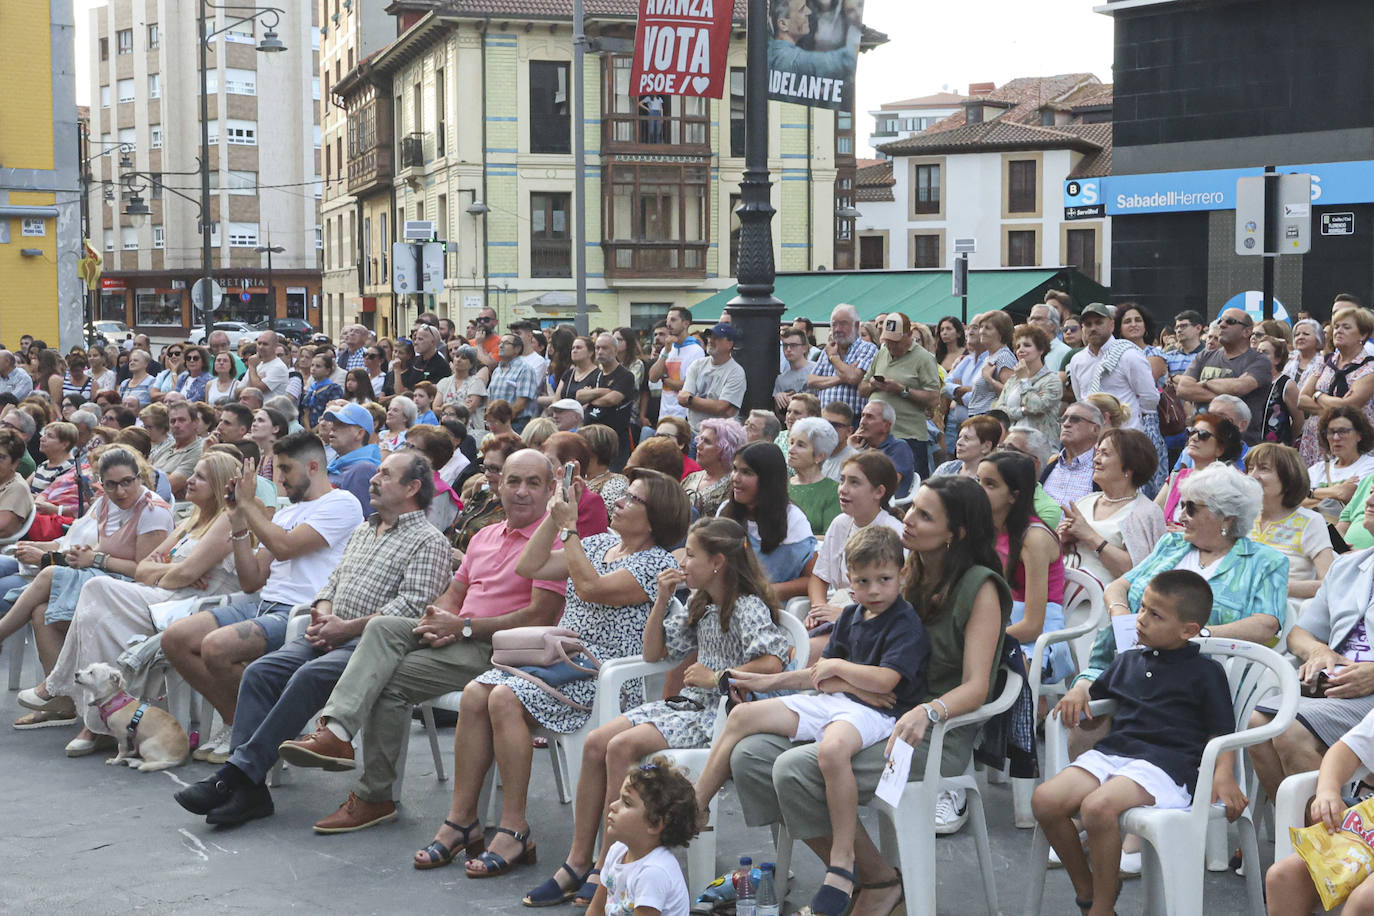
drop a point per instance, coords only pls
(395, 564)
(353, 353)
(841, 366)
(514, 381)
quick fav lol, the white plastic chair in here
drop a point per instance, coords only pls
(1174, 841)
(22, 530)
(908, 831)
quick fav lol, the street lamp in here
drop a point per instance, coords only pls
(137, 211)
(478, 210)
(270, 43)
(270, 250)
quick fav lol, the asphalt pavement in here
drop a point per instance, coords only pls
(80, 836)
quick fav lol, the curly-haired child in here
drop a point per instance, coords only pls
(656, 811)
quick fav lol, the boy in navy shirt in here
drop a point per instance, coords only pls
(872, 671)
(1171, 700)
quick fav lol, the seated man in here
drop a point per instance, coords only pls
(180, 460)
(301, 546)
(399, 664)
(875, 431)
(1331, 637)
(351, 427)
(395, 563)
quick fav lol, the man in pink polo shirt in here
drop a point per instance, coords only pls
(399, 663)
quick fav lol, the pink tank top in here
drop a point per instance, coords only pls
(1172, 500)
(1055, 591)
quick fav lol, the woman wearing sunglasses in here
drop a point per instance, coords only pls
(1211, 438)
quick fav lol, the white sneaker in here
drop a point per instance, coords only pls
(224, 747)
(211, 744)
(951, 812)
(1056, 862)
(1130, 865)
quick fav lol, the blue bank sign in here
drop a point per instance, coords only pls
(1170, 192)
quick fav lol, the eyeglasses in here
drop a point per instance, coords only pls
(372, 356)
(1075, 418)
(1340, 430)
(839, 425)
(491, 469)
(1201, 435)
(1190, 507)
(119, 484)
(173, 352)
(1235, 321)
(630, 497)
(1069, 328)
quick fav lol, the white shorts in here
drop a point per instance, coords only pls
(1166, 792)
(816, 711)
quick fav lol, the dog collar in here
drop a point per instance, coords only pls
(114, 704)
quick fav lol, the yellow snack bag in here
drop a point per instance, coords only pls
(1338, 861)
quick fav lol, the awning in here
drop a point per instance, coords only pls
(921, 295)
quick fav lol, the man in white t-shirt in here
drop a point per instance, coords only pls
(301, 545)
(266, 371)
(673, 362)
(714, 387)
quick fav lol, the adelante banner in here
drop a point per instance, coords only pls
(680, 48)
(813, 47)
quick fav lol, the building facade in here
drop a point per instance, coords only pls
(1187, 126)
(895, 121)
(466, 118)
(40, 201)
(264, 164)
(994, 172)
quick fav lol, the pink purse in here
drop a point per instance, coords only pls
(549, 652)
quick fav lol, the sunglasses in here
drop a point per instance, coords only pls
(1201, 435)
(173, 352)
(1190, 507)
(1075, 418)
(1232, 322)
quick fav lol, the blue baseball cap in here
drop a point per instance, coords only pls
(728, 331)
(352, 415)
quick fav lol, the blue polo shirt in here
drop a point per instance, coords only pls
(905, 462)
(895, 639)
(1170, 703)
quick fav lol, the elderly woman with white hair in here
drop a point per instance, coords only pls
(1306, 355)
(400, 416)
(809, 443)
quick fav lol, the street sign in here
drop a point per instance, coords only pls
(1338, 224)
(960, 276)
(198, 296)
(472, 302)
(418, 230)
(965, 246)
(1294, 210)
(432, 268)
(403, 276)
(245, 296)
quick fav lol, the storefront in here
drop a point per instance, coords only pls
(158, 303)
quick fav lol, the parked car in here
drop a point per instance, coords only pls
(108, 332)
(237, 331)
(296, 329)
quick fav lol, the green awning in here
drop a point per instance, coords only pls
(921, 295)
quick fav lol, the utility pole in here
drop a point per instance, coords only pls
(580, 164)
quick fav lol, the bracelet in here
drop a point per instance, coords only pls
(239, 535)
(1118, 604)
(942, 706)
(1100, 547)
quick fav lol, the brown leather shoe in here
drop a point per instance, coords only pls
(356, 814)
(322, 750)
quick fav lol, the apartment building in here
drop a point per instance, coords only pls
(898, 120)
(263, 118)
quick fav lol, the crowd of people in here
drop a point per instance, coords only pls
(915, 494)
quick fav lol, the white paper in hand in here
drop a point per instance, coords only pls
(895, 772)
(1123, 628)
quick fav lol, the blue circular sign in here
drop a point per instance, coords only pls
(245, 296)
(1252, 303)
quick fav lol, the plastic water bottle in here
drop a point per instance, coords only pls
(766, 900)
(743, 880)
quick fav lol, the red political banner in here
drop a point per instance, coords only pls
(680, 47)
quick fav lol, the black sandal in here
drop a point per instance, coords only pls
(830, 900)
(583, 898)
(494, 865)
(551, 893)
(440, 855)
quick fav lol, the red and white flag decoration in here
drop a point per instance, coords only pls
(680, 47)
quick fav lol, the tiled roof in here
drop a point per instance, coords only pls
(1089, 97)
(1026, 94)
(997, 134)
(937, 100)
(1093, 165)
(874, 182)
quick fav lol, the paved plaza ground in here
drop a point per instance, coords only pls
(82, 837)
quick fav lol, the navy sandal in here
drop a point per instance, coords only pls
(494, 865)
(587, 891)
(438, 855)
(551, 893)
(830, 900)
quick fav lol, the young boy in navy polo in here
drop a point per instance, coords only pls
(1171, 700)
(871, 672)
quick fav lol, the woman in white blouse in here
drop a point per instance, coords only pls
(1347, 441)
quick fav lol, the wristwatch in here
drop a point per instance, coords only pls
(98, 561)
(931, 714)
(467, 627)
(566, 533)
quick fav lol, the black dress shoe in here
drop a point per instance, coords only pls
(206, 795)
(246, 804)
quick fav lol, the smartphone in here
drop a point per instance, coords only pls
(569, 472)
(231, 494)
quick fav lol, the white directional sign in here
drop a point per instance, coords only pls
(198, 296)
(1294, 234)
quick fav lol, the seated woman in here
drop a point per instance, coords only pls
(481, 503)
(731, 624)
(717, 444)
(321, 390)
(1299, 534)
(55, 444)
(808, 445)
(867, 481)
(464, 386)
(1212, 439)
(612, 586)
(570, 448)
(660, 453)
(601, 480)
(1116, 526)
(1346, 440)
(130, 521)
(16, 502)
(778, 530)
(400, 416)
(268, 426)
(953, 582)
(498, 418)
(677, 429)
(194, 560)
(436, 445)
(978, 436)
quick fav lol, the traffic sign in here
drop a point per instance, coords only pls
(1338, 224)
(432, 268)
(418, 230)
(965, 246)
(403, 276)
(198, 296)
(1294, 212)
(245, 296)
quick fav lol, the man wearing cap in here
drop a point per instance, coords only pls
(905, 376)
(608, 397)
(567, 415)
(1115, 367)
(1234, 368)
(358, 459)
(842, 365)
(714, 387)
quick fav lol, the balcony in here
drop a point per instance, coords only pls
(668, 135)
(645, 260)
(370, 170)
(883, 133)
(413, 151)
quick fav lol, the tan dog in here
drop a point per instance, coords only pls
(158, 741)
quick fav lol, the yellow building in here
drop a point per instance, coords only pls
(40, 201)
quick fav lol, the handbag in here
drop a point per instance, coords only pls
(1173, 419)
(548, 657)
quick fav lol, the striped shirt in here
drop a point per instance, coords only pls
(1178, 361)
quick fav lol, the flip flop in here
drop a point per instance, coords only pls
(494, 864)
(440, 855)
(587, 891)
(43, 720)
(551, 893)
